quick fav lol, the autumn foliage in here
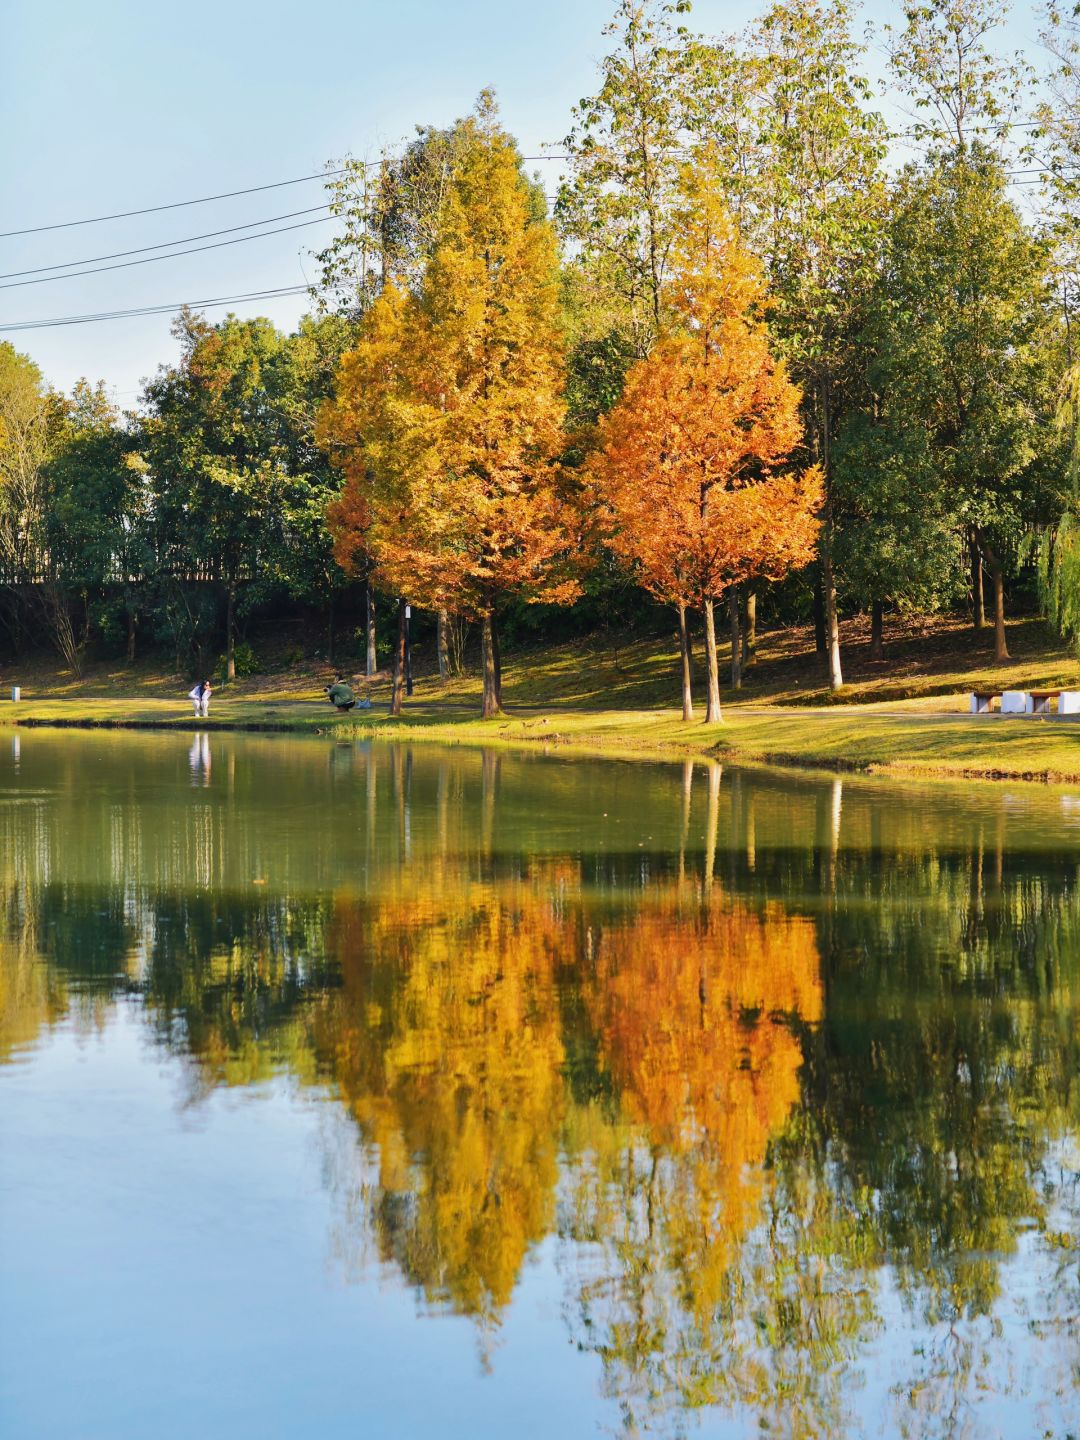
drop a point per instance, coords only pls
(448, 1042)
(447, 1050)
(693, 459)
(448, 415)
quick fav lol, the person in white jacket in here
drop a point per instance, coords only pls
(200, 698)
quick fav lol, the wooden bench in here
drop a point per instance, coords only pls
(1013, 702)
(1042, 698)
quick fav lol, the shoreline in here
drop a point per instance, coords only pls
(868, 740)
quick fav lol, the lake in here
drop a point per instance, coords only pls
(391, 1091)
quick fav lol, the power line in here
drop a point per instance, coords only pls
(162, 245)
(283, 290)
(174, 205)
(149, 259)
(224, 195)
(320, 175)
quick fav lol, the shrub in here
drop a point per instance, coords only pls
(244, 658)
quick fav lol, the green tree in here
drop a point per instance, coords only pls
(961, 369)
(300, 380)
(626, 151)
(219, 477)
(24, 449)
(965, 92)
(33, 425)
(98, 514)
(819, 153)
(391, 210)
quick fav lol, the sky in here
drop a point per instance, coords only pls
(124, 105)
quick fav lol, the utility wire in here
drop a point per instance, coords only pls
(163, 244)
(149, 259)
(175, 205)
(317, 175)
(256, 189)
(152, 309)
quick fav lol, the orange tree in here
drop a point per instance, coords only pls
(448, 414)
(690, 464)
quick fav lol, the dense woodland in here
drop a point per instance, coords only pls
(762, 348)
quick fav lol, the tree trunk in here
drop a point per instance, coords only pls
(832, 627)
(490, 705)
(369, 626)
(749, 639)
(687, 665)
(130, 635)
(497, 652)
(58, 617)
(828, 575)
(408, 650)
(997, 581)
(736, 638)
(978, 600)
(399, 663)
(713, 714)
(712, 824)
(443, 644)
(820, 646)
(230, 633)
(877, 627)
(330, 629)
(1001, 649)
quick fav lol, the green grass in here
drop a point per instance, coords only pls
(905, 715)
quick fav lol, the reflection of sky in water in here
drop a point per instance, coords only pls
(218, 1245)
(191, 1286)
(359, 1090)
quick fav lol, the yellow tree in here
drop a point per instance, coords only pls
(381, 436)
(448, 415)
(691, 459)
(445, 1040)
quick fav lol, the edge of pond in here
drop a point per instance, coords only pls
(584, 745)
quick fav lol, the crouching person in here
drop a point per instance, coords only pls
(200, 698)
(340, 694)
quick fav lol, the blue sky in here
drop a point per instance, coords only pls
(123, 105)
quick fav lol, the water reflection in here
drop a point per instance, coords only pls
(780, 1065)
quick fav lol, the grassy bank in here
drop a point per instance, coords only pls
(905, 715)
(887, 739)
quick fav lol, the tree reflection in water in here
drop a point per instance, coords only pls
(809, 1039)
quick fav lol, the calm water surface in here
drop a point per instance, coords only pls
(392, 1092)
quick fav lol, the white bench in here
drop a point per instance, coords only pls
(1016, 702)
